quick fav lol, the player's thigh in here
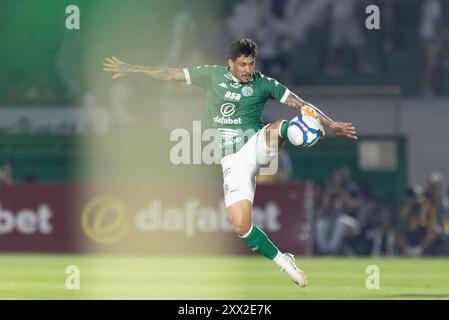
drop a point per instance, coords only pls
(239, 172)
(239, 184)
(239, 214)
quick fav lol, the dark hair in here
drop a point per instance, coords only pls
(245, 47)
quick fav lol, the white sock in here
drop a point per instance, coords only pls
(280, 260)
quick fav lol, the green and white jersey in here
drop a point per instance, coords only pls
(235, 108)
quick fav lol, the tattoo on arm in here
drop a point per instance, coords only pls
(297, 103)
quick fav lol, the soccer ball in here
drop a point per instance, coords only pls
(305, 129)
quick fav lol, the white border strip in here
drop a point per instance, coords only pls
(284, 97)
(187, 75)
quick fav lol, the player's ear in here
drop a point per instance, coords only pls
(230, 63)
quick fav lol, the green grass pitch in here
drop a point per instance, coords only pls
(33, 276)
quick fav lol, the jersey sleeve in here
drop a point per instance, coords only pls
(275, 90)
(200, 76)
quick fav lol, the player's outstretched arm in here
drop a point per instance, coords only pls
(120, 69)
(341, 129)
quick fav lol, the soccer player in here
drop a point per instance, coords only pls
(236, 95)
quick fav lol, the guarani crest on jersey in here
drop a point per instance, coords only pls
(247, 91)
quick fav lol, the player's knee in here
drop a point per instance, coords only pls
(241, 227)
(239, 214)
(272, 136)
(275, 125)
(273, 130)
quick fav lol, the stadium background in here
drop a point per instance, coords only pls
(85, 160)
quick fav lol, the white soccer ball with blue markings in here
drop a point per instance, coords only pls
(304, 130)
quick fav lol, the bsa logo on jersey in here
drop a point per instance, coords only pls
(247, 91)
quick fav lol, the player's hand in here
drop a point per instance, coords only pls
(343, 129)
(117, 66)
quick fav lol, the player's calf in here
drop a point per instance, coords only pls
(239, 215)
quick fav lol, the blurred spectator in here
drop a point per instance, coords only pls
(446, 222)
(435, 35)
(6, 175)
(422, 220)
(435, 205)
(374, 221)
(336, 219)
(407, 227)
(346, 28)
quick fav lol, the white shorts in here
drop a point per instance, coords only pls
(240, 168)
